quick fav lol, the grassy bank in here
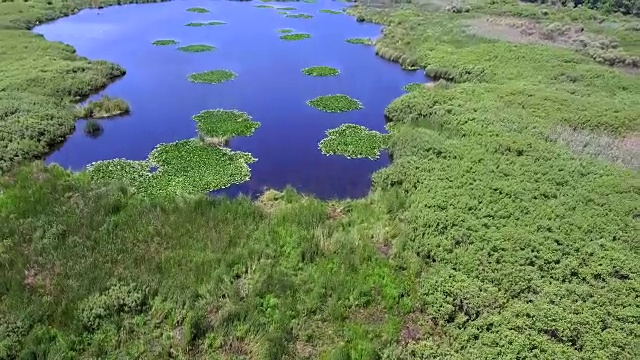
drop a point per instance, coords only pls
(485, 239)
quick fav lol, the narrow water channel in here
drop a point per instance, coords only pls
(270, 86)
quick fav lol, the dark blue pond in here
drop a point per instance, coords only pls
(270, 87)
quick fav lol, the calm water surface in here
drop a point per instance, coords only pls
(269, 86)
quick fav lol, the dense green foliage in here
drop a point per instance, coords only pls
(331, 11)
(212, 76)
(225, 124)
(292, 37)
(413, 87)
(208, 23)
(198, 10)
(361, 41)
(299, 16)
(335, 103)
(320, 71)
(482, 240)
(196, 48)
(104, 107)
(353, 141)
(164, 42)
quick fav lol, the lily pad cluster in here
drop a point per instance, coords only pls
(164, 42)
(197, 48)
(198, 10)
(361, 41)
(299, 16)
(335, 103)
(206, 23)
(225, 124)
(293, 37)
(212, 76)
(353, 141)
(320, 71)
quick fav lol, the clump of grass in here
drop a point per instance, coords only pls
(164, 42)
(292, 37)
(331, 11)
(361, 41)
(196, 48)
(220, 125)
(212, 76)
(104, 107)
(335, 103)
(413, 87)
(264, 6)
(133, 173)
(191, 167)
(320, 71)
(198, 10)
(299, 16)
(207, 23)
(92, 128)
(285, 31)
(353, 141)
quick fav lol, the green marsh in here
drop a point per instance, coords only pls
(225, 124)
(353, 141)
(292, 37)
(212, 76)
(198, 10)
(320, 71)
(361, 41)
(335, 103)
(299, 16)
(164, 42)
(196, 48)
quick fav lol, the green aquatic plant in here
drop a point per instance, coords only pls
(361, 41)
(133, 173)
(264, 6)
(286, 8)
(353, 141)
(335, 103)
(212, 76)
(164, 42)
(320, 71)
(285, 31)
(220, 125)
(92, 128)
(299, 16)
(196, 48)
(413, 87)
(282, 12)
(198, 10)
(207, 23)
(191, 167)
(292, 37)
(104, 107)
(331, 11)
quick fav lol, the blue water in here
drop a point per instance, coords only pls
(270, 87)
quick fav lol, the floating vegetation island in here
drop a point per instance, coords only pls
(164, 42)
(92, 128)
(196, 48)
(264, 6)
(413, 87)
(320, 71)
(335, 103)
(218, 126)
(212, 76)
(287, 8)
(198, 10)
(104, 107)
(285, 31)
(331, 11)
(292, 37)
(299, 16)
(361, 41)
(133, 173)
(353, 141)
(207, 23)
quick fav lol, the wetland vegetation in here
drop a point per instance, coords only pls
(212, 76)
(486, 237)
(198, 10)
(320, 71)
(165, 42)
(293, 37)
(105, 106)
(335, 103)
(299, 16)
(361, 41)
(223, 125)
(208, 23)
(353, 141)
(195, 48)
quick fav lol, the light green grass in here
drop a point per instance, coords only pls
(320, 71)
(335, 103)
(212, 76)
(353, 141)
(164, 42)
(196, 48)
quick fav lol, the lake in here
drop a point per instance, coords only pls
(270, 87)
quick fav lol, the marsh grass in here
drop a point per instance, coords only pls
(320, 71)
(299, 16)
(198, 10)
(361, 41)
(293, 37)
(93, 128)
(206, 23)
(353, 141)
(414, 87)
(331, 12)
(224, 124)
(196, 48)
(285, 31)
(104, 107)
(286, 8)
(264, 6)
(164, 42)
(212, 76)
(335, 103)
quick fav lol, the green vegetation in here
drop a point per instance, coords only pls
(353, 141)
(198, 10)
(104, 107)
(92, 128)
(282, 12)
(331, 12)
(264, 6)
(335, 103)
(299, 16)
(208, 23)
(196, 48)
(164, 42)
(292, 37)
(224, 124)
(287, 8)
(212, 76)
(484, 239)
(285, 31)
(320, 71)
(413, 87)
(361, 41)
